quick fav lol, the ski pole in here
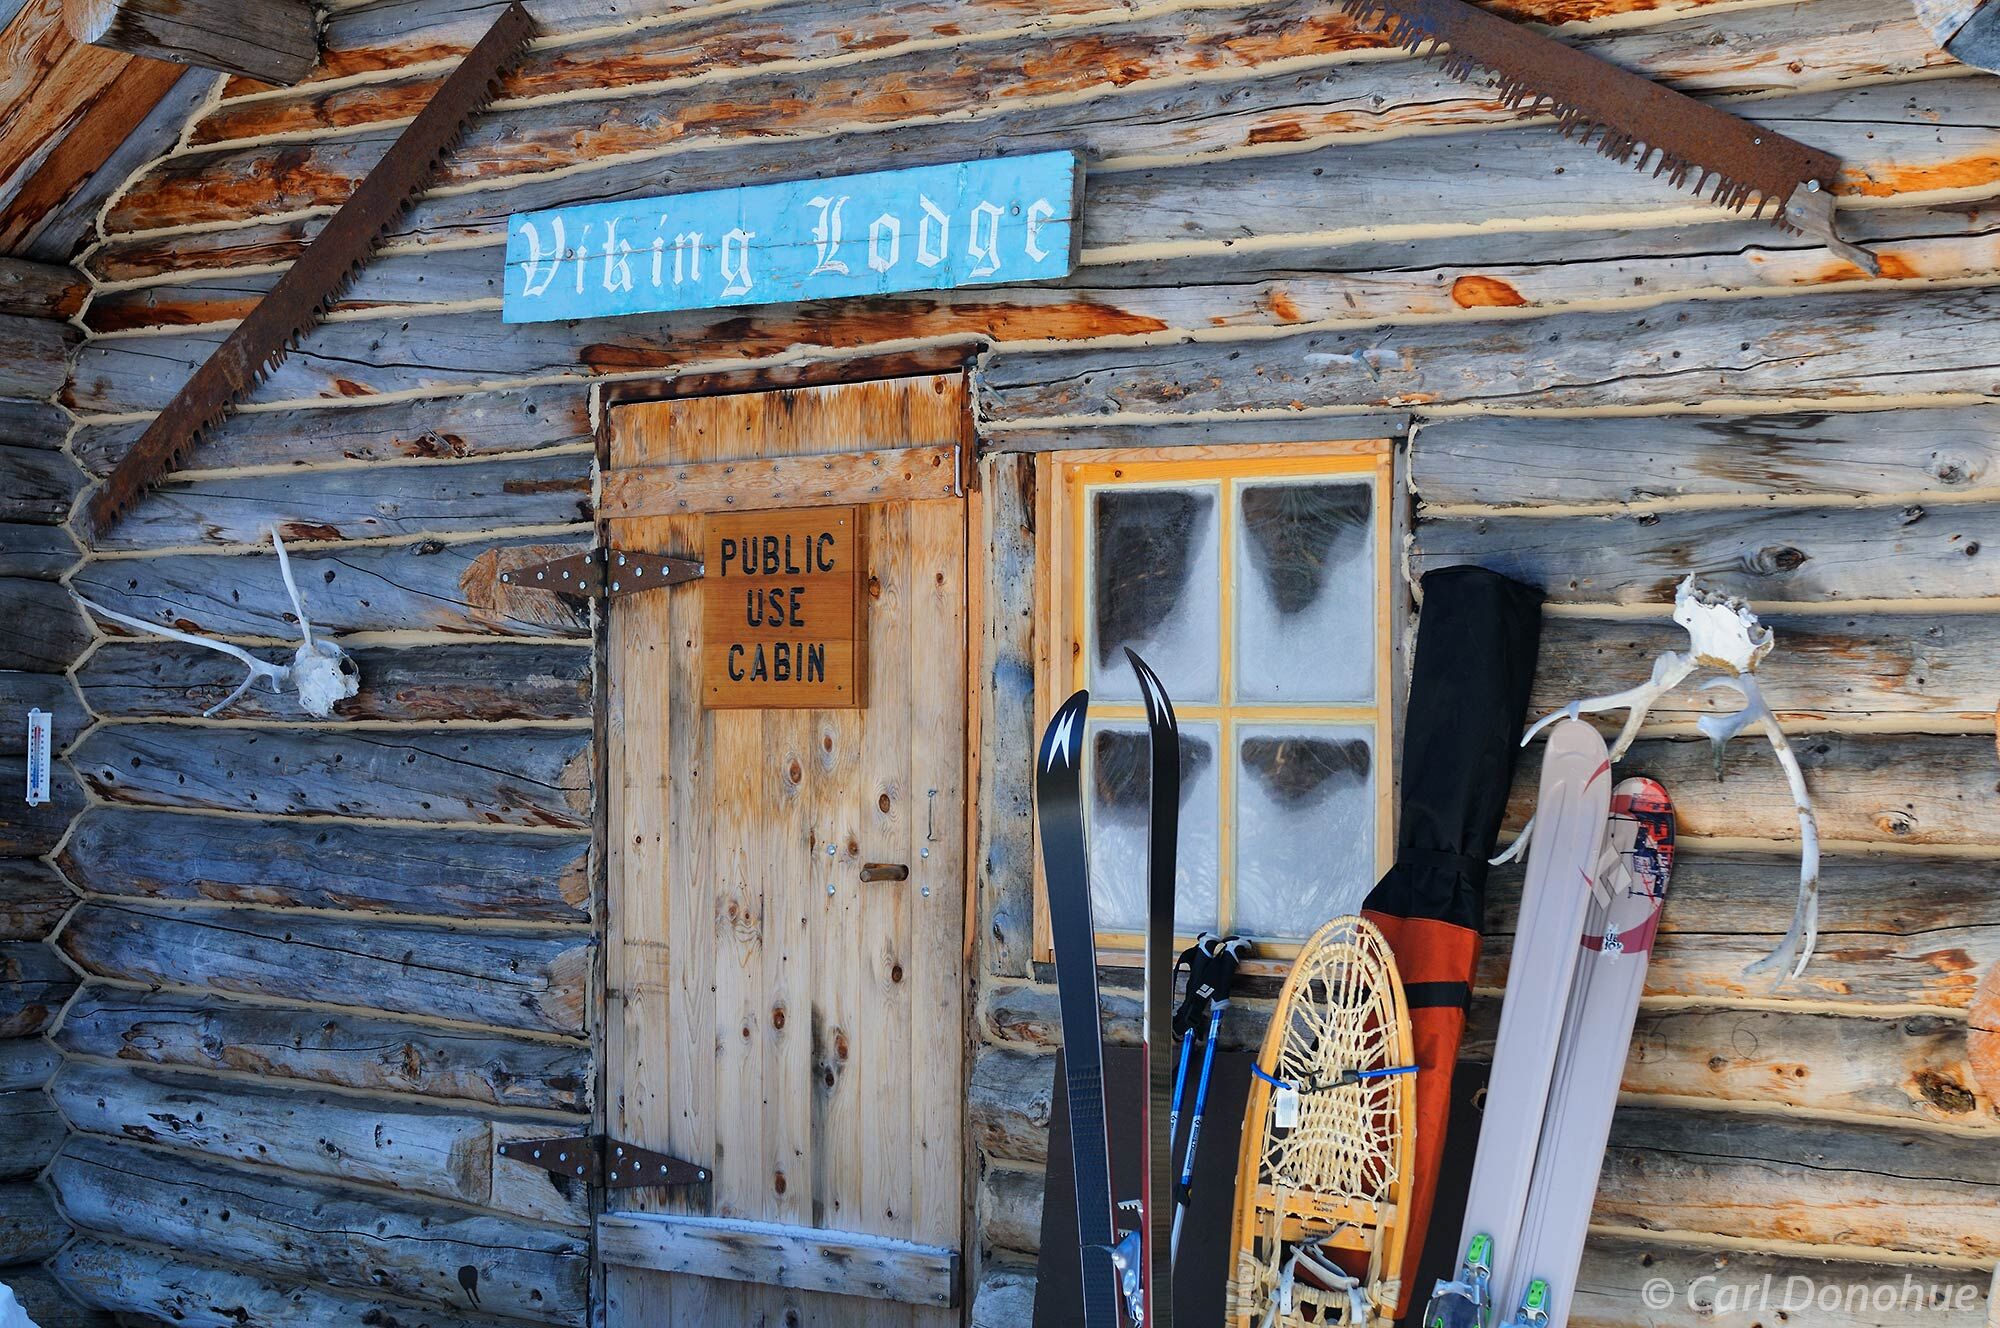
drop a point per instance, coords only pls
(1218, 972)
(1185, 1019)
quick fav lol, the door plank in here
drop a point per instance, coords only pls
(832, 480)
(845, 1264)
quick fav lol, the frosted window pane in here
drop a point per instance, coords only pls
(1120, 776)
(1305, 826)
(1155, 571)
(1305, 619)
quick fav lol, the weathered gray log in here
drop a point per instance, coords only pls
(46, 631)
(1895, 930)
(1005, 1298)
(474, 680)
(1008, 1104)
(20, 692)
(34, 983)
(1523, 462)
(1913, 668)
(1799, 555)
(444, 873)
(35, 424)
(324, 1047)
(1868, 787)
(319, 1231)
(36, 550)
(29, 832)
(316, 1132)
(178, 1289)
(26, 1063)
(427, 586)
(30, 1227)
(363, 503)
(33, 899)
(1762, 1177)
(1026, 1015)
(1087, 436)
(49, 1305)
(1006, 851)
(519, 420)
(33, 1133)
(39, 485)
(272, 41)
(512, 980)
(1010, 1208)
(40, 290)
(497, 776)
(34, 355)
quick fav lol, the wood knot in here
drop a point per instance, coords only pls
(1783, 558)
(1945, 1093)
(1896, 822)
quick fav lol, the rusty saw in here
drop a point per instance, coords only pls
(312, 285)
(1694, 145)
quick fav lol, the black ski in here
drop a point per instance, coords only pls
(1163, 836)
(1066, 864)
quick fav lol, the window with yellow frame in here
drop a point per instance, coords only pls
(1256, 581)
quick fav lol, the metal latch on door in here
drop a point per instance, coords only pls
(603, 573)
(598, 1159)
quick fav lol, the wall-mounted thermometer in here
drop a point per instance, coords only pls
(40, 726)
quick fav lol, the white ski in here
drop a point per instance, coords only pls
(1564, 857)
(1617, 944)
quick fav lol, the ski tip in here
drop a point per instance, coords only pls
(1062, 741)
(1159, 707)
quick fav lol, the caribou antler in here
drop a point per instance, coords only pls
(1724, 636)
(321, 671)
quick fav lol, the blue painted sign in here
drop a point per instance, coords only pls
(927, 228)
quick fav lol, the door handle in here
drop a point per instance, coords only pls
(885, 871)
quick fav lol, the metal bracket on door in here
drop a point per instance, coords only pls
(597, 1159)
(605, 573)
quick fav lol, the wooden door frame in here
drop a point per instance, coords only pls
(955, 358)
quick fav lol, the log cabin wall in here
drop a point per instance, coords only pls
(328, 966)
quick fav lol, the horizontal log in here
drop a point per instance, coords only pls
(1008, 1104)
(33, 424)
(53, 692)
(772, 1254)
(433, 428)
(33, 899)
(49, 1305)
(30, 1227)
(1895, 930)
(319, 1231)
(314, 1132)
(37, 550)
(47, 630)
(1524, 462)
(899, 474)
(427, 586)
(39, 485)
(325, 1047)
(472, 680)
(497, 776)
(34, 1132)
(354, 504)
(26, 1063)
(1907, 667)
(1038, 66)
(507, 979)
(1010, 1208)
(1759, 1177)
(34, 983)
(29, 832)
(34, 356)
(1005, 1297)
(175, 1288)
(444, 873)
(40, 290)
(272, 41)
(1800, 555)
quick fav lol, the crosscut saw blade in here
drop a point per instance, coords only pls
(1730, 159)
(317, 279)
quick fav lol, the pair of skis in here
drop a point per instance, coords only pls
(1140, 1266)
(1597, 878)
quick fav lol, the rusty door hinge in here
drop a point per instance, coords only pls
(597, 1159)
(603, 573)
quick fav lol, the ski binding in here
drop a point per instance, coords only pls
(1467, 1302)
(1534, 1311)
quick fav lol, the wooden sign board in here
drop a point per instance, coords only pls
(1000, 221)
(783, 617)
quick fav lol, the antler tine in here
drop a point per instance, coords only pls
(1669, 671)
(1795, 951)
(258, 668)
(292, 587)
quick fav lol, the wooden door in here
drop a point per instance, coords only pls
(771, 1016)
